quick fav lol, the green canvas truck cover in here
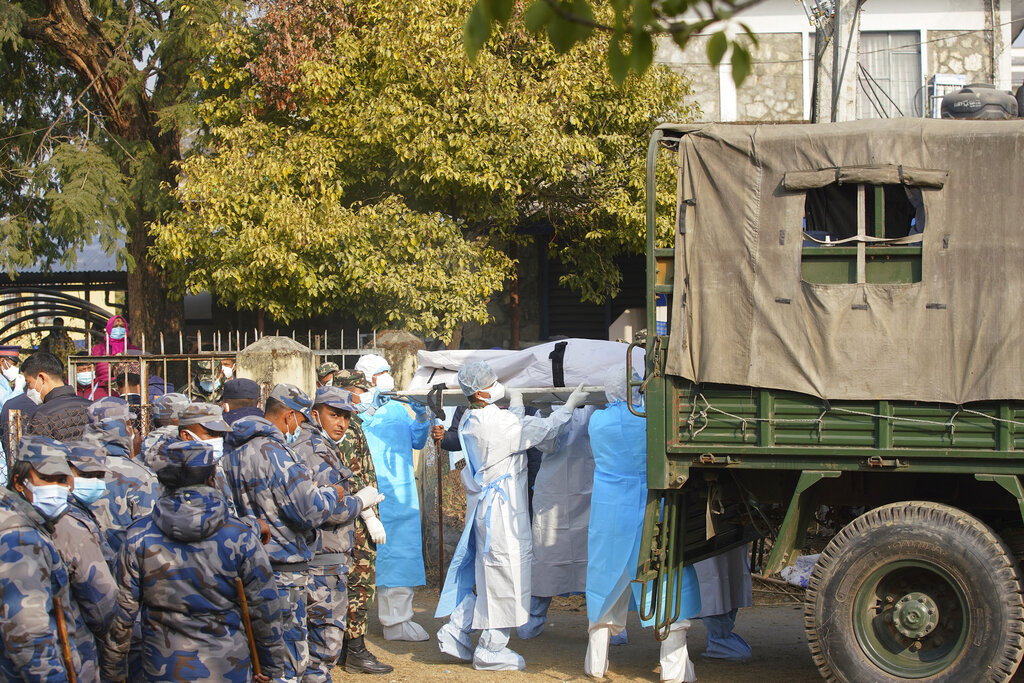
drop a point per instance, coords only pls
(742, 315)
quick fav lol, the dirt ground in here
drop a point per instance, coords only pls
(775, 634)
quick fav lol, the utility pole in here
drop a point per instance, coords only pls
(835, 74)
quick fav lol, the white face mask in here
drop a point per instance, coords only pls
(385, 382)
(11, 373)
(217, 442)
(34, 396)
(227, 370)
(496, 391)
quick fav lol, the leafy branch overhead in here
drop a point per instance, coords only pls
(631, 26)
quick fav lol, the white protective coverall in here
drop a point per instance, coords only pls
(561, 517)
(725, 586)
(495, 550)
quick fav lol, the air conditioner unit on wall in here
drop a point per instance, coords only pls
(941, 85)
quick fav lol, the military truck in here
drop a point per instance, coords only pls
(835, 318)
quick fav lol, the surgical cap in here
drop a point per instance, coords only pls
(615, 385)
(476, 377)
(371, 364)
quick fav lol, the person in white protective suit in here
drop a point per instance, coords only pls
(619, 496)
(391, 435)
(561, 515)
(725, 586)
(495, 550)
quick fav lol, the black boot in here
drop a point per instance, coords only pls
(360, 660)
(343, 654)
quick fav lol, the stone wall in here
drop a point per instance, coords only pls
(774, 90)
(693, 63)
(956, 52)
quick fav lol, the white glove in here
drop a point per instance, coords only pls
(19, 383)
(515, 398)
(369, 496)
(576, 398)
(374, 527)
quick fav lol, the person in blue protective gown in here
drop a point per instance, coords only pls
(391, 435)
(618, 439)
(494, 553)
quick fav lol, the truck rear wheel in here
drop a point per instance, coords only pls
(915, 591)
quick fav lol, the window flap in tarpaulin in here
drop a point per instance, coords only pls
(886, 174)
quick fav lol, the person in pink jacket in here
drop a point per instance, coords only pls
(114, 343)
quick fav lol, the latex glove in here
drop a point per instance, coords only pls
(374, 527)
(19, 383)
(576, 398)
(515, 398)
(422, 412)
(369, 496)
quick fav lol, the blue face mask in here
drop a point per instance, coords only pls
(118, 333)
(89, 490)
(50, 499)
(84, 378)
(292, 437)
(206, 385)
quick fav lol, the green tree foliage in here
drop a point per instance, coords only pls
(378, 174)
(630, 26)
(94, 97)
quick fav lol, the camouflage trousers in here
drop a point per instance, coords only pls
(326, 606)
(291, 592)
(362, 586)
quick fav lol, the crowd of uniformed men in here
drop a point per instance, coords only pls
(232, 543)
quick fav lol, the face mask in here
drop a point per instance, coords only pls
(118, 333)
(50, 499)
(34, 396)
(496, 391)
(11, 373)
(228, 371)
(292, 437)
(217, 442)
(385, 382)
(208, 385)
(88, 490)
(84, 378)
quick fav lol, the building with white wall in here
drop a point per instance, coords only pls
(907, 50)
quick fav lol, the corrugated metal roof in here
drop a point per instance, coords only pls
(90, 259)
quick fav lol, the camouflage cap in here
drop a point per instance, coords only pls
(326, 369)
(335, 397)
(206, 415)
(186, 454)
(47, 456)
(348, 378)
(169, 406)
(104, 412)
(293, 397)
(86, 456)
(129, 368)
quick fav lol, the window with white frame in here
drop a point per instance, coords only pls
(889, 74)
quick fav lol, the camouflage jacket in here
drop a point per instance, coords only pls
(355, 455)
(132, 488)
(322, 459)
(33, 575)
(92, 585)
(154, 439)
(178, 568)
(83, 514)
(265, 480)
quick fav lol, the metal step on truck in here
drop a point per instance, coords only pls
(836, 319)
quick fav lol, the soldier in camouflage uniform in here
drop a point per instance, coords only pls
(267, 482)
(327, 597)
(165, 411)
(35, 577)
(132, 488)
(189, 553)
(208, 377)
(87, 466)
(325, 374)
(355, 455)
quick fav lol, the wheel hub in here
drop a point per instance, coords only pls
(915, 615)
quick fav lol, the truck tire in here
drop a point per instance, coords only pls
(915, 591)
